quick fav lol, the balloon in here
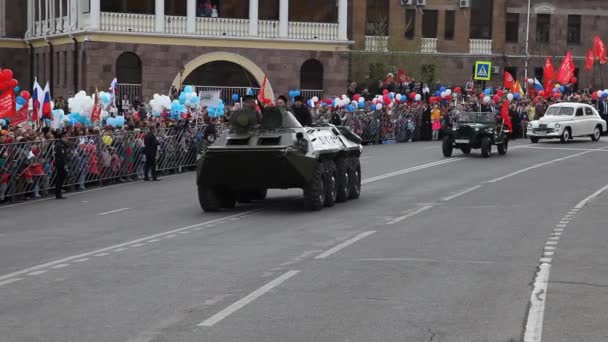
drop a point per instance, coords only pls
(496, 98)
(361, 100)
(25, 94)
(573, 80)
(20, 100)
(442, 89)
(7, 74)
(385, 92)
(188, 89)
(386, 99)
(448, 92)
(486, 99)
(443, 94)
(599, 93)
(182, 98)
(315, 99)
(510, 97)
(438, 93)
(2, 122)
(516, 96)
(391, 95)
(361, 105)
(488, 91)
(13, 83)
(458, 90)
(541, 93)
(557, 95)
(482, 96)
(594, 96)
(418, 97)
(356, 97)
(16, 90)
(378, 106)
(106, 139)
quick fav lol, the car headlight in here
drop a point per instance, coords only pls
(476, 129)
(557, 125)
(529, 126)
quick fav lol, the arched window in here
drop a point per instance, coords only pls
(128, 68)
(311, 75)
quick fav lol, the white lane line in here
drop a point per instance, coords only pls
(119, 249)
(60, 266)
(81, 260)
(590, 198)
(101, 254)
(113, 211)
(344, 244)
(246, 300)
(170, 236)
(536, 313)
(154, 240)
(185, 232)
(408, 170)
(552, 243)
(433, 260)
(138, 245)
(561, 225)
(537, 166)
(546, 260)
(554, 238)
(35, 273)
(566, 149)
(549, 248)
(463, 192)
(408, 215)
(8, 281)
(98, 252)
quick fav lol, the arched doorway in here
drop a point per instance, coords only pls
(221, 74)
(128, 73)
(311, 75)
(253, 72)
(128, 68)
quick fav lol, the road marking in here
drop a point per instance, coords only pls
(566, 149)
(537, 166)
(8, 281)
(554, 238)
(35, 273)
(590, 198)
(415, 212)
(170, 236)
(185, 232)
(534, 324)
(463, 192)
(138, 245)
(247, 299)
(81, 260)
(99, 252)
(344, 244)
(113, 211)
(408, 170)
(154, 240)
(119, 249)
(60, 266)
(433, 260)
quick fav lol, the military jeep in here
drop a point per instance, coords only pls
(476, 131)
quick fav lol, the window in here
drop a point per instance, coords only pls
(410, 23)
(574, 29)
(481, 19)
(512, 29)
(450, 23)
(429, 24)
(543, 26)
(579, 112)
(588, 111)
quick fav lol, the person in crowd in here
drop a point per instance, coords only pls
(301, 113)
(61, 156)
(603, 108)
(150, 150)
(282, 102)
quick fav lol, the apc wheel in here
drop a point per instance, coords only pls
(208, 199)
(502, 148)
(354, 176)
(466, 149)
(447, 146)
(534, 140)
(565, 136)
(342, 180)
(597, 133)
(314, 192)
(249, 195)
(331, 192)
(486, 147)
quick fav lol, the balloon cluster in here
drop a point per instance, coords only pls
(81, 104)
(6, 80)
(118, 121)
(293, 94)
(216, 112)
(22, 98)
(189, 98)
(313, 101)
(160, 103)
(177, 109)
(59, 117)
(105, 99)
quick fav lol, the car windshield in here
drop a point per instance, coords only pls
(477, 118)
(560, 111)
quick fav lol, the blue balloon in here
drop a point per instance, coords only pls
(488, 91)
(442, 89)
(235, 97)
(211, 111)
(20, 100)
(18, 107)
(182, 98)
(188, 89)
(438, 93)
(391, 96)
(516, 96)
(361, 105)
(562, 89)
(16, 89)
(2, 122)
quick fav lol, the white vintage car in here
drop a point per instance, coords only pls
(567, 120)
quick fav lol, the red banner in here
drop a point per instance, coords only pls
(20, 116)
(599, 49)
(589, 60)
(7, 104)
(566, 70)
(509, 82)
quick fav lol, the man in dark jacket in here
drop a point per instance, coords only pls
(61, 152)
(150, 149)
(301, 113)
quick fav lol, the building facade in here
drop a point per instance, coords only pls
(314, 45)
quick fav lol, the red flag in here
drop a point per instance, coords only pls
(262, 90)
(566, 70)
(96, 114)
(589, 60)
(20, 116)
(401, 76)
(549, 76)
(7, 104)
(599, 49)
(506, 118)
(509, 82)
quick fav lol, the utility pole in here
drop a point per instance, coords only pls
(527, 42)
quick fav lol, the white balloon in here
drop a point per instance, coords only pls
(486, 99)
(315, 99)
(443, 94)
(398, 97)
(448, 92)
(510, 97)
(378, 106)
(418, 97)
(599, 93)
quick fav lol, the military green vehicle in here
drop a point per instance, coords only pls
(275, 152)
(476, 131)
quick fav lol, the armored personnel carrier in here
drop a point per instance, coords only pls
(275, 152)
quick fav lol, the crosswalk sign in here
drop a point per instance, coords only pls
(483, 71)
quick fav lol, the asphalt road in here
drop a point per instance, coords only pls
(460, 249)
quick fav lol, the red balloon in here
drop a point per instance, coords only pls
(481, 96)
(328, 102)
(386, 99)
(25, 94)
(500, 93)
(356, 97)
(557, 95)
(457, 90)
(448, 97)
(541, 93)
(412, 95)
(13, 83)
(573, 80)
(8, 74)
(496, 98)
(385, 92)
(594, 95)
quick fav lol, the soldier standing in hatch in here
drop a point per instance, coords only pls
(301, 112)
(61, 152)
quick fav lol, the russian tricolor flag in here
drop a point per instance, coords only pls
(46, 104)
(538, 86)
(37, 98)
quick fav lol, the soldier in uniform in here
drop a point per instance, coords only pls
(61, 152)
(150, 150)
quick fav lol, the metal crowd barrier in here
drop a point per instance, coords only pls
(29, 169)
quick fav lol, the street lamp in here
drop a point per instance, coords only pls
(527, 43)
